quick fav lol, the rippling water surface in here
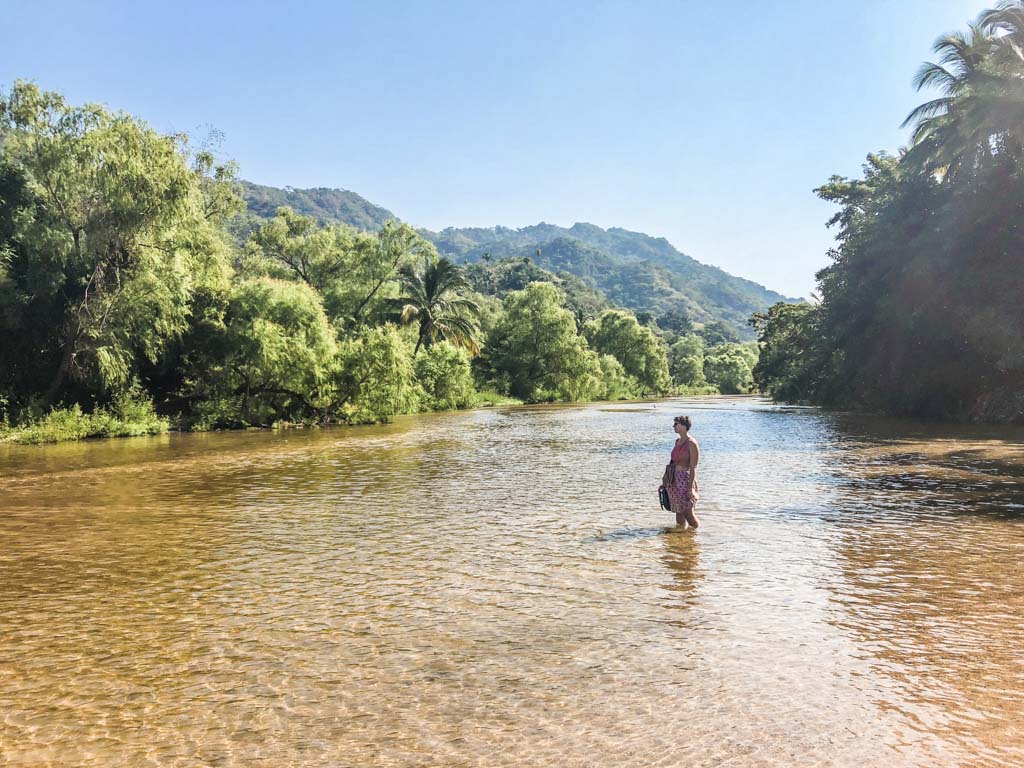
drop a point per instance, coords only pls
(500, 588)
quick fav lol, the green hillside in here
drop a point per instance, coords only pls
(631, 269)
(320, 202)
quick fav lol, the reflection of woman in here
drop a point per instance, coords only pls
(681, 474)
(682, 557)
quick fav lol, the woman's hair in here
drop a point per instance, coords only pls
(685, 421)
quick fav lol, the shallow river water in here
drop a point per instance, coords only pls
(500, 588)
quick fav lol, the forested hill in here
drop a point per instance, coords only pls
(320, 202)
(633, 270)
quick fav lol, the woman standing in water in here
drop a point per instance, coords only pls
(681, 474)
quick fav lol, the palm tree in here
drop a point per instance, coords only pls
(431, 294)
(1005, 23)
(950, 130)
(980, 113)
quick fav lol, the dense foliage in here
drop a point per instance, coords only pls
(634, 270)
(137, 292)
(640, 352)
(631, 269)
(920, 309)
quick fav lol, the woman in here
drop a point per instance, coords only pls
(681, 474)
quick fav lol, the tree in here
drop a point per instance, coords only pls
(444, 376)
(113, 229)
(374, 377)
(950, 130)
(675, 320)
(349, 268)
(432, 296)
(616, 384)
(729, 367)
(979, 116)
(397, 245)
(716, 333)
(534, 352)
(793, 364)
(295, 247)
(267, 355)
(636, 347)
(686, 361)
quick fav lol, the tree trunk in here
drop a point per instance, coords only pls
(419, 341)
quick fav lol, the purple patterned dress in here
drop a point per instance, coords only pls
(677, 496)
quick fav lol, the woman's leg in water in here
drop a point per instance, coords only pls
(684, 508)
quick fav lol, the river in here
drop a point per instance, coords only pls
(500, 588)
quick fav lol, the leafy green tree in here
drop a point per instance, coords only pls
(433, 295)
(730, 368)
(444, 376)
(616, 384)
(794, 358)
(979, 116)
(349, 268)
(514, 274)
(921, 268)
(641, 352)
(112, 229)
(292, 246)
(717, 333)
(534, 353)
(397, 245)
(645, 318)
(920, 307)
(686, 361)
(675, 320)
(374, 378)
(269, 356)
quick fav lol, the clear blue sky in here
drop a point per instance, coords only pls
(707, 123)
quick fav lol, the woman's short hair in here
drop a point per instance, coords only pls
(684, 420)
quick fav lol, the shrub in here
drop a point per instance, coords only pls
(444, 377)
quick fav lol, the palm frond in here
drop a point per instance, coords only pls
(931, 75)
(928, 110)
(462, 304)
(963, 51)
(458, 330)
(1007, 17)
(409, 311)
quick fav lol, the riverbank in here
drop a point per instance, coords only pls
(136, 418)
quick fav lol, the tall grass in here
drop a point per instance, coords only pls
(129, 416)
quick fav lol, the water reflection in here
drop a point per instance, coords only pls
(500, 588)
(681, 555)
(931, 587)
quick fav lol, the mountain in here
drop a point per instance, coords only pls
(633, 270)
(320, 202)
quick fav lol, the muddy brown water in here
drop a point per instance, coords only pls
(500, 588)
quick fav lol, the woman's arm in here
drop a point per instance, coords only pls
(694, 458)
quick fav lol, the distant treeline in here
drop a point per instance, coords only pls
(921, 310)
(136, 293)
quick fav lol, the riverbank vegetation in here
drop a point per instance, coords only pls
(137, 294)
(920, 309)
